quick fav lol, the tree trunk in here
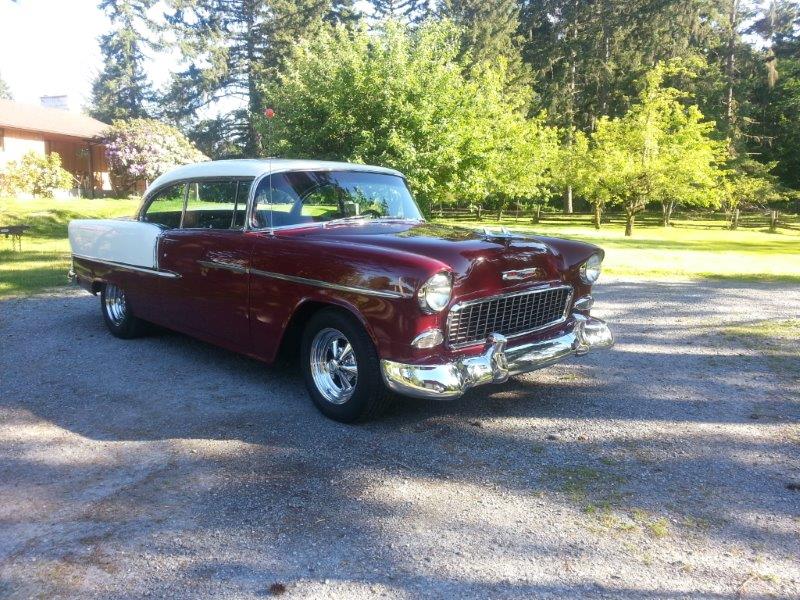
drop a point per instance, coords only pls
(568, 200)
(666, 213)
(629, 219)
(730, 72)
(537, 211)
(598, 215)
(735, 219)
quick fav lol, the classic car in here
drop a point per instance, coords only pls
(334, 263)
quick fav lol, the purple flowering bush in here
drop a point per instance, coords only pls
(143, 149)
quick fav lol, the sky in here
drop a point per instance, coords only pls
(50, 47)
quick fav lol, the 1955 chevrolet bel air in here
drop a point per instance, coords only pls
(334, 261)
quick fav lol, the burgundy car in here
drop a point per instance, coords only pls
(335, 261)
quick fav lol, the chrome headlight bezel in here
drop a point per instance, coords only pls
(435, 294)
(591, 269)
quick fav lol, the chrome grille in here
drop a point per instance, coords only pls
(510, 314)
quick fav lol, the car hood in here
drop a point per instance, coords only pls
(478, 260)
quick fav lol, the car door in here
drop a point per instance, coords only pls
(211, 253)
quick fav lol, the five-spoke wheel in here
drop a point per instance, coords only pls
(117, 312)
(341, 367)
(333, 365)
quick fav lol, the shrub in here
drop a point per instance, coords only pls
(36, 174)
(143, 149)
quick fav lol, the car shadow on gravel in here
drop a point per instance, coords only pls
(173, 452)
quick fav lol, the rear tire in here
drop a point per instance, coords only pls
(341, 368)
(118, 314)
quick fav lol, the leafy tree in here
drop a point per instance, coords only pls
(37, 174)
(230, 47)
(400, 97)
(659, 151)
(748, 183)
(143, 149)
(5, 91)
(122, 89)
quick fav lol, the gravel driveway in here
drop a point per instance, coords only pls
(668, 467)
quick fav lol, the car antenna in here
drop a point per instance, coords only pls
(270, 114)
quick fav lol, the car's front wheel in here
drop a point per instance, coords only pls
(117, 312)
(342, 368)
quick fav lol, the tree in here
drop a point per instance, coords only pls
(490, 32)
(143, 149)
(659, 151)
(747, 182)
(5, 91)
(230, 47)
(401, 10)
(122, 89)
(398, 96)
(37, 174)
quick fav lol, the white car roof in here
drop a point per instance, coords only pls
(258, 166)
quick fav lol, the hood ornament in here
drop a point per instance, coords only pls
(522, 274)
(501, 235)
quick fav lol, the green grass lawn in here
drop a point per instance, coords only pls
(690, 249)
(44, 259)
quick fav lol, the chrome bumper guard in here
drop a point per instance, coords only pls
(497, 363)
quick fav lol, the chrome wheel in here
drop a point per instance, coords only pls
(333, 365)
(116, 307)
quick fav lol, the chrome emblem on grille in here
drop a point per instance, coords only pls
(520, 274)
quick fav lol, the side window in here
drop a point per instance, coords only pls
(166, 207)
(210, 205)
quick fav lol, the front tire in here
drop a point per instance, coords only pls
(341, 368)
(117, 313)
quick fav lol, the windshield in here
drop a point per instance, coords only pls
(298, 197)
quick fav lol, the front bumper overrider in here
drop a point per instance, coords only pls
(497, 362)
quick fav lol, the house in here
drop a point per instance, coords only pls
(75, 137)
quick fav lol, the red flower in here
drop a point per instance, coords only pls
(269, 113)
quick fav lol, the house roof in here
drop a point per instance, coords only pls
(255, 167)
(16, 115)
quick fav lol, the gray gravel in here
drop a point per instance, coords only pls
(167, 467)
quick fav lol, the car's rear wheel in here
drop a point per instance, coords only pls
(342, 368)
(118, 314)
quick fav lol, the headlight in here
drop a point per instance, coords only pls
(590, 270)
(434, 295)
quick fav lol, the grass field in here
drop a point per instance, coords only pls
(690, 249)
(44, 259)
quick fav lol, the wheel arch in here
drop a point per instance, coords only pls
(289, 345)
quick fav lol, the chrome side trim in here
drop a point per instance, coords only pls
(216, 264)
(327, 285)
(127, 267)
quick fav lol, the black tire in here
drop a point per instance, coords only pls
(369, 396)
(121, 322)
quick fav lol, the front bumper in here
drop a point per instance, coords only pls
(497, 363)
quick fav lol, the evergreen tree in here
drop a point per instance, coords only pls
(232, 47)
(490, 33)
(5, 91)
(401, 10)
(122, 89)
